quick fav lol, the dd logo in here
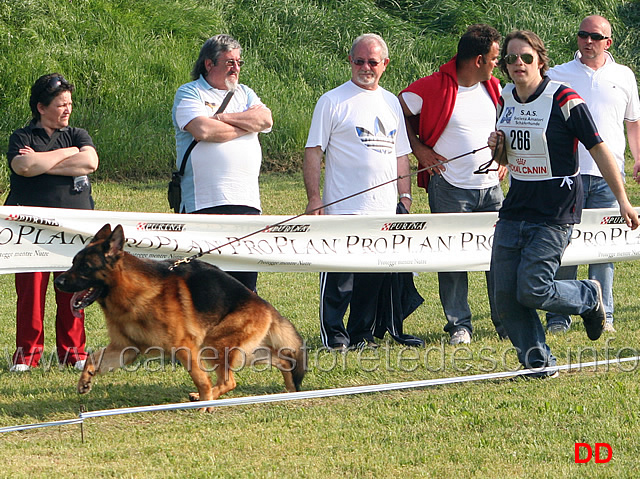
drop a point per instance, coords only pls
(598, 447)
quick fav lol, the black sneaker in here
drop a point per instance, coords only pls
(595, 318)
(551, 374)
(548, 372)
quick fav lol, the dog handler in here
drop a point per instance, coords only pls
(540, 122)
(49, 163)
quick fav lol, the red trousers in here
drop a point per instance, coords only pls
(31, 289)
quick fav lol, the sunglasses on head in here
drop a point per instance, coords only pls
(513, 57)
(55, 82)
(359, 62)
(594, 36)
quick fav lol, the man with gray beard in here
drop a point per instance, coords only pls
(358, 128)
(217, 121)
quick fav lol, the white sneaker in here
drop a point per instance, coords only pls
(79, 365)
(19, 368)
(608, 328)
(461, 336)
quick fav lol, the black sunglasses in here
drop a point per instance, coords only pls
(596, 37)
(513, 57)
(360, 62)
(55, 82)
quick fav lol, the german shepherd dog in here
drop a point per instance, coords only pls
(196, 312)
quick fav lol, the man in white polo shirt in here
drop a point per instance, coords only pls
(611, 93)
(221, 174)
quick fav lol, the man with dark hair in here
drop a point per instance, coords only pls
(219, 119)
(544, 202)
(49, 163)
(449, 113)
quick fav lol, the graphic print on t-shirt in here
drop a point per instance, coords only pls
(211, 108)
(379, 140)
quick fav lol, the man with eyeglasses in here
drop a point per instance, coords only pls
(611, 92)
(49, 162)
(217, 121)
(449, 113)
(359, 129)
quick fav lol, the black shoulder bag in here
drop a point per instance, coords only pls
(174, 190)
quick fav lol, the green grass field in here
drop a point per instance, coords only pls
(497, 428)
(127, 59)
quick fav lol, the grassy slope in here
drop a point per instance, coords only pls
(127, 58)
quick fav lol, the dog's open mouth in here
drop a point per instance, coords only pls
(82, 299)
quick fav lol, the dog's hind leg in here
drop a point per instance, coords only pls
(287, 351)
(103, 361)
(286, 366)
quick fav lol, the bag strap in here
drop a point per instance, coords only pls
(183, 165)
(53, 138)
(223, 105)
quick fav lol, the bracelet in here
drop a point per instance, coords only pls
(407, 195)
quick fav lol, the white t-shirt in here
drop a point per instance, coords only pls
(216, 173)
(611, 93)
(362, 134)
(472, 121)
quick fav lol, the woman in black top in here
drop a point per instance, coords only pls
(49, 163)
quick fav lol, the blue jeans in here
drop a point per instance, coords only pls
(454, 286)
(524, 261)
(597, 194)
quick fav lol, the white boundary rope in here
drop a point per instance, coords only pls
(318, 393)
(41, 424)
(321, 393)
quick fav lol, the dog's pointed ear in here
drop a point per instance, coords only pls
(116, 241)
(104, 233)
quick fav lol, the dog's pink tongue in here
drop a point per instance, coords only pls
(74, 300)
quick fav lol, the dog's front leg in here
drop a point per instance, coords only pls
(200, 377)
(103, 361)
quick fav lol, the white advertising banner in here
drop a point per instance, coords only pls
(46, 239)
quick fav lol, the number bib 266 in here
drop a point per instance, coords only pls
(524, 126)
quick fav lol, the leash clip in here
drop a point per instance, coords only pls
(484, 169)
(179, 262)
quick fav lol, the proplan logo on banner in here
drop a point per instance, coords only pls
(612, 220)
(288, 229)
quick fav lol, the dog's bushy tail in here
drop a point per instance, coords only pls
(286, 340)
